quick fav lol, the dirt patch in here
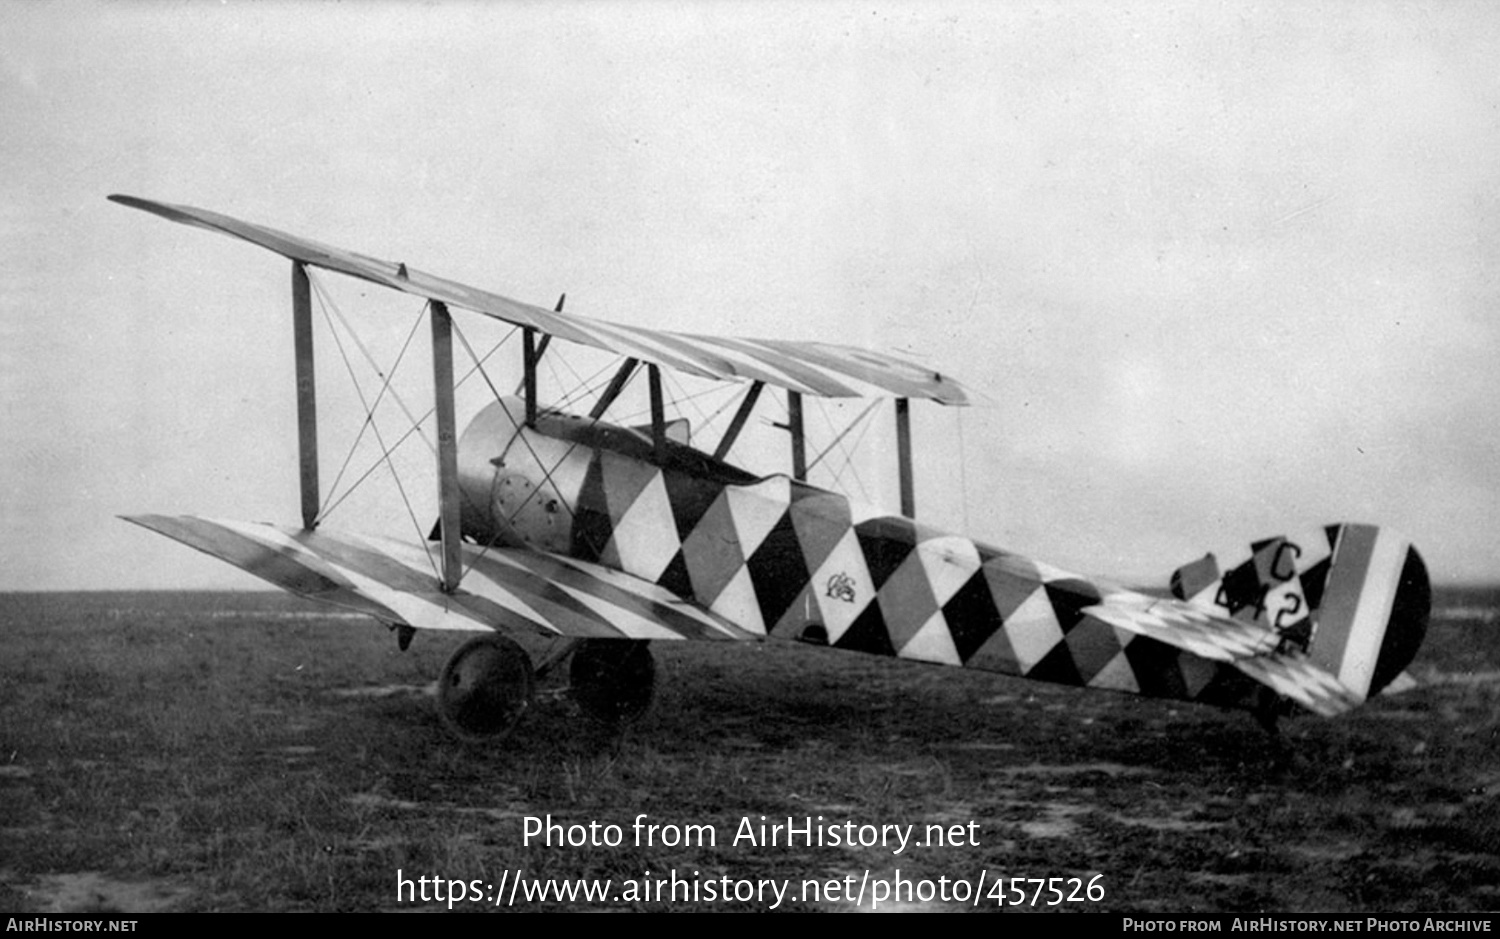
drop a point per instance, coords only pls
(387, 691)
(98, 893)
(1056, 820)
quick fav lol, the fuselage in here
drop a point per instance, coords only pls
(778, 557)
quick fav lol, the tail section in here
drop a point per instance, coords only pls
(1354, 598)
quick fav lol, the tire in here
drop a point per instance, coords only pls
(613, 680)
(485, 688)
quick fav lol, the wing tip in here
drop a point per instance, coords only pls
(135, 202)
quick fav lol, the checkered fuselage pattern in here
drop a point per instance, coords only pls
(782, 558)
(584, 530)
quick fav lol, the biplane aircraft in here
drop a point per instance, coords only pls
(606, 537)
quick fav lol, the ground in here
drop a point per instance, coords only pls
(252, 752)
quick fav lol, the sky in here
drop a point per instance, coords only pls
(1218, 271)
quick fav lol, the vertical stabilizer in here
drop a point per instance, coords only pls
(1354, 598)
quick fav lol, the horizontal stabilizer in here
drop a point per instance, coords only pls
(1249, 646)
(1293, 675)
(1204, 633)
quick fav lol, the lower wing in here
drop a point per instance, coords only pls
(395, 582)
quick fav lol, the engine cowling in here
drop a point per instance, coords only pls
(518, 485)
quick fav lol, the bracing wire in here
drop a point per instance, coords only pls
(364, 403)
(641, 412)
(380, 438)
(478, 365)
(379, 461)
(837, 441)
(728, 401)
(708, 419)
(552, 361)
(681, 397)
(849, 462)
(327, 302)
(416, 425)
(848, 452)
(590, 386)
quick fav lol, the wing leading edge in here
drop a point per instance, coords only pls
(815, 368)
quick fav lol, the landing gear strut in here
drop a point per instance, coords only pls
(613, 680)
(485, 688)
(1269, 708)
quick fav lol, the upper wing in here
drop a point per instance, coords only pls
(813, 368)
(1250, 647)
(393, 581)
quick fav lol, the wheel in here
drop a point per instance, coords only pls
(485, 688)
(613, 680)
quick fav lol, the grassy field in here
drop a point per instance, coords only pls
(251, 752)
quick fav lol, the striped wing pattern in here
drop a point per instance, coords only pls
(394, 582)
(813, 368)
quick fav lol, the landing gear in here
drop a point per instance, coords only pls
(1268, 716)
(1269, 708)
(485, 688)
(613, 680)
(489, 682)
